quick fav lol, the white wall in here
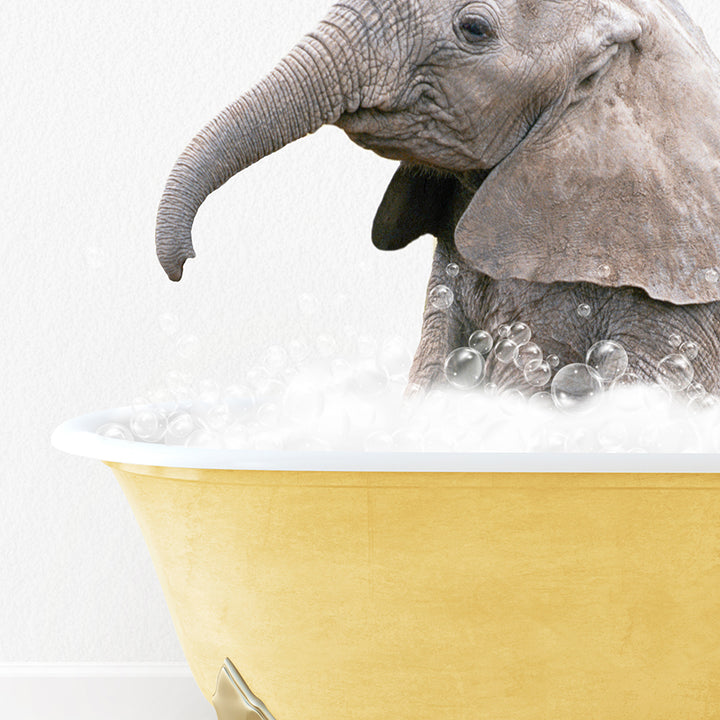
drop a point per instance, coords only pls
(97, 98)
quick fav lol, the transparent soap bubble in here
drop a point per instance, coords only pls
(542, 400)
(711, 275)
(690, 349)
(503, 330)
(464, 368)
(575, 387)
(604, 271)
(482, 342)
(441, 297)
(393, 357)
(188, 346)
(527, 352)
(218, 418)
(553, 361)
(240, 401)
(208, 391)
(537, 373)
(115, 431)
(179, 427)
(506, 351)
(674, 372)
(695, 390)
(169, 323)
(298, 350)
(452, 270)
(674, 339)
(584, 310)
(519, 333)
(608, 359)
(147, 425)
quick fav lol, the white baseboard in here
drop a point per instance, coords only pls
(93, 691)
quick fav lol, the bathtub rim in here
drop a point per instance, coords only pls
(78, 437)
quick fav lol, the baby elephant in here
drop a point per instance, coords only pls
(564, 154)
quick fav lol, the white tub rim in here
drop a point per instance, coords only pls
(78, 437)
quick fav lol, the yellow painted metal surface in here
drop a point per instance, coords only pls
(417, 596)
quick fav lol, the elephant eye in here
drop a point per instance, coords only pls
(474, 29)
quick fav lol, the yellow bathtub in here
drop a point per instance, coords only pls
(427, 586)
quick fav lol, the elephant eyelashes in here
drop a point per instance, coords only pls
(474, 30)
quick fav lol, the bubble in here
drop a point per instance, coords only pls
(208, 391)
(169, 323)
(464, 368)
(452, 270)
(711, 275)
(115, 431)
(506, 351)
(527, 352)
(674, 339)
(608, 359)
(188, 346)
(519, 333)
(275, 358)
(239, 400)
(690, 349)
(542, 399)
(702, 402)
(298, 350)
(179, 427)
(393, 357)
(481, 341)
(584, 310)
(503, 331)
(268, 414)
(218, 418)
(575, 387)
(674, 372)
(537, 373)
(147, 425)
(695, 390)
(553, 361)
(441, 297)
(604, 271)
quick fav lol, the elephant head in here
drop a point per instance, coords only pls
(587, 132)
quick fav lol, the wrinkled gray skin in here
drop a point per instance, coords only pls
(540, 140)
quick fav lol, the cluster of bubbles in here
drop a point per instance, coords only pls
(351, 393)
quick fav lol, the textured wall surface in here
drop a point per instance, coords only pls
(98, 99)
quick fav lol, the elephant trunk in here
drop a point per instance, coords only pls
(318, 81)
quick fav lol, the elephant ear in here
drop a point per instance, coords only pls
(416, 203)
(624, 187)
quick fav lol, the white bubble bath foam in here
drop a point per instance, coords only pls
(351, 394)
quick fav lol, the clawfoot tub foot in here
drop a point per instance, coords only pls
(233, 699)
